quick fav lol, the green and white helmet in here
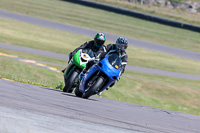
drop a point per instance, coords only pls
(99, 39)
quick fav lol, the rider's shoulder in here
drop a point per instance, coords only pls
(89, 42)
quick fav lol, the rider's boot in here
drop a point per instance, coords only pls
(63, 70)
(99, 93)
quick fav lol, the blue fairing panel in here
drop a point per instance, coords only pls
(108, 69)
(105, 67)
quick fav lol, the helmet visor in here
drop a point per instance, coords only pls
(122, 46)
(99, 42)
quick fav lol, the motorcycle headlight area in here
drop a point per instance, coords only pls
(84, 57)
(83, 60)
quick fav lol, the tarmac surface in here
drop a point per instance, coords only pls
(30, 108)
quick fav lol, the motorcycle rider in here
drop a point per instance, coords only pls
(96, 45)
(120, 47)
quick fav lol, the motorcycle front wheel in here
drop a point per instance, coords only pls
(93, 88)
(77, 92)
(69, 82)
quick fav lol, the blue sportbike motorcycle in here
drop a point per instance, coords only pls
(100, 76)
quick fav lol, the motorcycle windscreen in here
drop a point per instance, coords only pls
(115, 61)
(89, 52)
(111, 65)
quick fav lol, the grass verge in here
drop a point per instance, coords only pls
(22, 34)
(27, 73)
(157, 91)
(66, 12)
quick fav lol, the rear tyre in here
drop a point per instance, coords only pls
(69, 83)
(77, 92)
(93, 89)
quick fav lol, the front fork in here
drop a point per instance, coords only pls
(93, 80)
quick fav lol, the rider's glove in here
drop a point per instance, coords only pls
(118, 78)
(96, 60)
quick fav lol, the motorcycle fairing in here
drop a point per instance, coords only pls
(105, 67)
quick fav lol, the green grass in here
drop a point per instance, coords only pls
(164, 79)
(34, 57)
(27, 73)
(157, 91)
(137, 88)
(22, 34)
(100, 20)
(157, 60)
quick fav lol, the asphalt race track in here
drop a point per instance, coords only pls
(29, 108)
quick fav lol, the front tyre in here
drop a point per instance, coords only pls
(93, 88)
(71, 78)
(77, 92)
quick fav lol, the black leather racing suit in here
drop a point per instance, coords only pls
(124, 56)
(99, 52)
